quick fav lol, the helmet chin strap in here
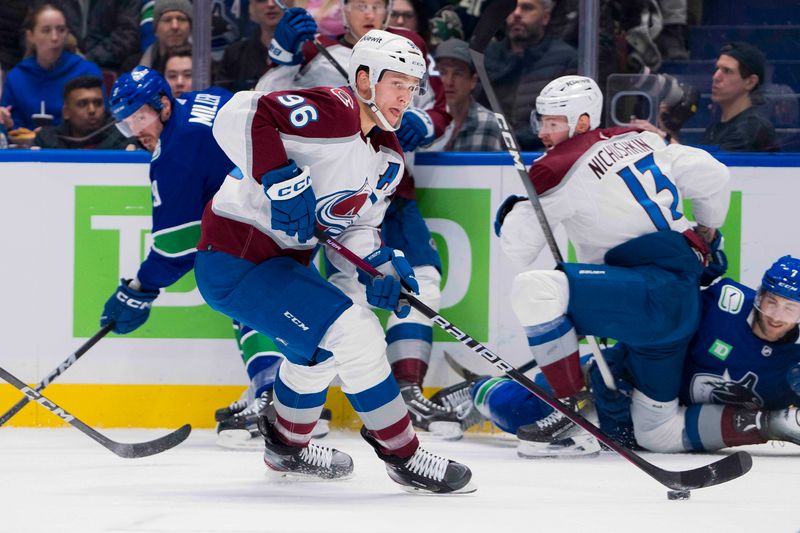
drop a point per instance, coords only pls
(382, 122)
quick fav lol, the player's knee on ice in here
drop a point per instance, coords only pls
(658, 426)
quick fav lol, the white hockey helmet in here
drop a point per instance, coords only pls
(572, 97)
(379, 51)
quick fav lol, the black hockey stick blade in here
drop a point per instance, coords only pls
(462, 371)
(127, 450)
(68, 362)
(730, 467)
(492, 19)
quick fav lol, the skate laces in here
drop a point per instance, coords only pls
(426, 464)
(255, 407)
(417, 396)
(550, 420)
(317, 455)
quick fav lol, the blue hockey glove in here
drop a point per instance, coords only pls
(504, 209)
(293, 200)
(127, 308)
(719, 261)
(793, 377)
(416, 129)
(397, 273)
(295, 27)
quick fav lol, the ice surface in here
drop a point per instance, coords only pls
(58, 480)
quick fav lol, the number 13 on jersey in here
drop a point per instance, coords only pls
(634, 176)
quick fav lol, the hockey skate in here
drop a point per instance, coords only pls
(424, 472)
(441, 422)
(458, 398)
(557, 436)
(780, 424)
(312, 462)
(237, 424)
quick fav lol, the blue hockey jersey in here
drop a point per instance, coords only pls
(186, 170)
(729, 364)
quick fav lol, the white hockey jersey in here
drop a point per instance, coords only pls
(353, 177)
(609, 186)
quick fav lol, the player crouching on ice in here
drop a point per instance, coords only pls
(619, 193)
(740, 383)
(325, 157)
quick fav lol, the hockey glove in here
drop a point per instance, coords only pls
(793, 377)
(718, 264)
(416, 129)
(296, 27)
(127, 308)
(504, 209)
(293, 200)
(397, 273)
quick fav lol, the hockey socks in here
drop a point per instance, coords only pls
(554, 345)
(409, 350)
(712, 427)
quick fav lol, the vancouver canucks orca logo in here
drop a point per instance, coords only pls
(338, 210)
(710, 388)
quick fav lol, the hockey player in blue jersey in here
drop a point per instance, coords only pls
(740, 381)
(187, 168)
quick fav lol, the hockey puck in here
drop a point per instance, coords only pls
(678, 494)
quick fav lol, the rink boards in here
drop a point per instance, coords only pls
(74, 222)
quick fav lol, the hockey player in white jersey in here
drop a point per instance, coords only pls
(327, 158)
(297, 63)
(619, 194)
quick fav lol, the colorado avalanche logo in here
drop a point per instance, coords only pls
(710, 388)
(338, 210)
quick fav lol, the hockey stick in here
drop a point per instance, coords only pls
(321, 49)
(726, 469)
(491, 20)
(58, 371)
(126, 450)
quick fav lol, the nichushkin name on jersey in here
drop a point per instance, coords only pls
(615, 151)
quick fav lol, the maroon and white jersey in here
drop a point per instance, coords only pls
(608, 186)
(353, 177)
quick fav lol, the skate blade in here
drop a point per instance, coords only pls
(443, 431)
(469, 488)
(240, 439)
(574, 447)
(293, 477)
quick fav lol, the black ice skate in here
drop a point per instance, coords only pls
(237, 424)
(440, 421)
(557, 436)
(458, 398)
(425, 472)
(295, 462)
(780, 424)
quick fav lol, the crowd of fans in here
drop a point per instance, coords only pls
(59, 58)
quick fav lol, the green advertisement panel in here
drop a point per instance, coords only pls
(113, 222)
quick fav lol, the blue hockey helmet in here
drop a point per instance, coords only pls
(132, 90)
(783, 278)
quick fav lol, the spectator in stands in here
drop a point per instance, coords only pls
(107, 30)
(244, 62)
(474, 128)
(411, 15)
(178, 69)
(36, 84)
(329, 16)
(86, 123)
(172, 20)
(741, 127)
(675, 31)
(521, 64)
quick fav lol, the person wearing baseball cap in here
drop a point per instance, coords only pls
(741, 127)
(474, 128)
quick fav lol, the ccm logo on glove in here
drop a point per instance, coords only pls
(132, 302)
(289, 188)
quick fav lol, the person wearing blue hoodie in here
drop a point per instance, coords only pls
(36, 85)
